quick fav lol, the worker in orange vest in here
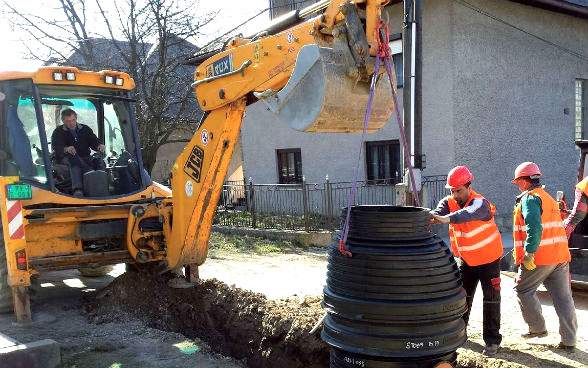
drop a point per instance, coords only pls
(580, 208)
(475, 239)
(541, 246)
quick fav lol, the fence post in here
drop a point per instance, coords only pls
(252, 203)
(305, 205)
(401, 194)
(329, 201)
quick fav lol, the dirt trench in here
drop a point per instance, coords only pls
(234, 322)
(274, 333)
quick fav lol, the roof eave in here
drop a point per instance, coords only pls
(557, 6)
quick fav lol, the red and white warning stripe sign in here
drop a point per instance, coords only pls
(14, 214)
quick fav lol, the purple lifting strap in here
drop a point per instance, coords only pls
(417, 201)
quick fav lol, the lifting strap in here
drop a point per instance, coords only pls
(383, 54)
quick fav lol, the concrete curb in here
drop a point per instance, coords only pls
(38, 354)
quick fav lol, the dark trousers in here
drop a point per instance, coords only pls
(78, 166)
(489, 276)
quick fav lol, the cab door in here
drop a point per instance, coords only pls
(23, 146)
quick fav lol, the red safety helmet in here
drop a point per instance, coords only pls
(529, 169)
(458, 176)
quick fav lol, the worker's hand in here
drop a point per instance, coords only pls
(529, 261)
(436, 219)
(101, 148)
(70, 149)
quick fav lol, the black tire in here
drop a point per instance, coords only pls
(6, 305)
(98, 271)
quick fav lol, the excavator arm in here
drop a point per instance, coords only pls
(197, 178)
(313, 74)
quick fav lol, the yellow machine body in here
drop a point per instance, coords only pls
(314, 75)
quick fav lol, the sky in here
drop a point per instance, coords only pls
(230, 14)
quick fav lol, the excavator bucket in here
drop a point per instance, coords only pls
(321, 97)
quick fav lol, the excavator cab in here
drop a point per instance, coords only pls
(32, 112)
(44, 226)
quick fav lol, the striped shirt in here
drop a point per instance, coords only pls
(479, 209)
(578, 212)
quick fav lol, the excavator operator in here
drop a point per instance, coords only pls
(71, 144)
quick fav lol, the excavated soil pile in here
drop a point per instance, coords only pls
(235, 322)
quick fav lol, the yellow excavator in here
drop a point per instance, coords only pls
(312, 68)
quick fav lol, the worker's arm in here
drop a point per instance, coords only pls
(578, 212)
(93, 140)
(442, 208)
(479, 209)
(531, 210)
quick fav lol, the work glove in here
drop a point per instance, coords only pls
(529, 261)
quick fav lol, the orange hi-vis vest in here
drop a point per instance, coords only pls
(553, 247)
(476, 242)
(583, 185)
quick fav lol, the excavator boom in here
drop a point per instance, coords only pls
(314, 76)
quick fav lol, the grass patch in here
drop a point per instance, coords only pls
(274, 221)
(223, 243)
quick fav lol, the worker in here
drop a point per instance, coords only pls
(71, 143)
(541, 246)
(580, 208)
(477, 243)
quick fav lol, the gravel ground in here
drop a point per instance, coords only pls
(518, 352)
(275, 270)
(60, 314)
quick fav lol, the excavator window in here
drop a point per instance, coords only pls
(108, 117)
(27, 123)
(113, 135)
(22, 148)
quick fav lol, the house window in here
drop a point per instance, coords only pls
(289, 166)
(383, 162)
(581, 112)
(396, 51)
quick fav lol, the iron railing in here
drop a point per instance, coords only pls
(305, 206)
(435, 189)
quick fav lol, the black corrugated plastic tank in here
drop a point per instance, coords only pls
(398, 301)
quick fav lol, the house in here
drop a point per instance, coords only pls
(102, 54)
(504, 82)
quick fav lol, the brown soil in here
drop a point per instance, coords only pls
(234, 322)
(59, 314)
(264, 332)
(139, 321)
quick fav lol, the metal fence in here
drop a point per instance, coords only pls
(435, 189)
(305, 206)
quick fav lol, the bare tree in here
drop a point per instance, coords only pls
(149, 39)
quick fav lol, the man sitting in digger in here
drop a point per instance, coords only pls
(71, 143)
